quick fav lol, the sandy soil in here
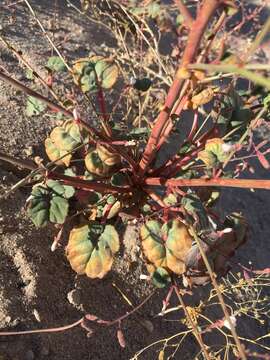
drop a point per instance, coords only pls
(34, 282)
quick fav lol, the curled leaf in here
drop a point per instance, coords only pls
(204, 97)
(166, 246)
(95, 165)
(64, 139)
(108, 157)
(112, 209)
(95, 71)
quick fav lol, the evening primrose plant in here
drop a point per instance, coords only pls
(167, 134)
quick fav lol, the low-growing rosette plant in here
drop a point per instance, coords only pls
(98, 182)
(103, 174)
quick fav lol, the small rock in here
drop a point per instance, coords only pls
(36, 315)
(29, 355)
(29, 151)
(7, 319)
(74, 297)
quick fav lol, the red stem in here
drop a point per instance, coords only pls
(205, 13)
(235, 183)
(49, 330)
(88, 184)
(194, 127)
(185, 12)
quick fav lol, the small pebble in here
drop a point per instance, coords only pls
(36, 315)
(29, 355)
(7, 319)
(74, 297)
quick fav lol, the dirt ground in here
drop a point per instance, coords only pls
(34, 282)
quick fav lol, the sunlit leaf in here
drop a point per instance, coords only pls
(55, 153)
(63, 190)
(91, 72)
(91, 248)
(166, 246)
(214, 152)
(63, 139)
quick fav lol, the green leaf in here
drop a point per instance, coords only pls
(139, 131)
(170, 200)
(65, 191)
(95, 71)
(214, 152)
(108, 157)
(63, 139)
(161, 277)
(120, 179)
(94, 164)
(55, 153)
(154, 10)
(266, 102)
(111, 199)
(91, 248)
(179, 19)
(46, 205)
(55, 63)
(58, 209)
(114, 209)
(230, 113)
(34, 106)
(142, 84)
(193, 205)
(38, 209)
(29, 74)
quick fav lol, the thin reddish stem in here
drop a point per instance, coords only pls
(39, 331)
(88, 184)
(235, 183)
(204, 15)
(185, 12)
